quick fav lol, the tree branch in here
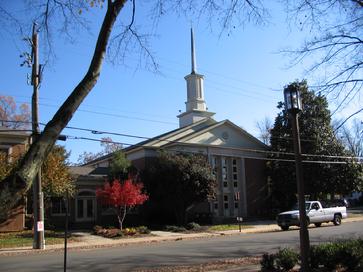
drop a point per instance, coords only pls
(19, 183)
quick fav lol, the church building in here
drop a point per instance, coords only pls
(237, 157)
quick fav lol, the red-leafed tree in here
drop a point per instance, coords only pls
(121, 196)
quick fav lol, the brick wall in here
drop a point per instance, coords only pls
(15, 221)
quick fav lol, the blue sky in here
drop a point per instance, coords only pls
(244, 78)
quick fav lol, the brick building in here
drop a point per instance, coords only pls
(235, 155)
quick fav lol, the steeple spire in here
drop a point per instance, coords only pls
(196, 108)
(194, 63)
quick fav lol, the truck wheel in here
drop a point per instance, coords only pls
(285, 228)
(337, 220)
(317, 225)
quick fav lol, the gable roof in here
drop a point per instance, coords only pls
(87, 170)
(227, 123)
(192, 135)
(197, 133)
(175, 135)
(160, 140)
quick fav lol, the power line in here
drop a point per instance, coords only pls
(114, 115)
(110, 133)
(196, 152)
(269, 152)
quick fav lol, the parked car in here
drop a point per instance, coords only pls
(316, 214)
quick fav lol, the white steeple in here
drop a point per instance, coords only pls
(194, 63)
(196, 108)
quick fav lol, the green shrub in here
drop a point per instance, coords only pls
(129, 231)
(113, 233)
(316, 254)
(345, 255)
(268, 263)
(192, 226)
(329, 255)
(348, 254)
(175, 228)
(107, 232)
(143, 230)
(286, 259)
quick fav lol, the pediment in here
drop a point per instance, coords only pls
(225, 134)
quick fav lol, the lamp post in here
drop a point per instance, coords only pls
(293, 106)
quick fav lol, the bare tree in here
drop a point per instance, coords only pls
(12, 116)
(108, 147)
(264, 126)
(47, 12)
(335, 43)
(352, 137)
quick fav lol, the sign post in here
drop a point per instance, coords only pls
(239, 220)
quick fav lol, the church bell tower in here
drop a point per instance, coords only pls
(196, 108)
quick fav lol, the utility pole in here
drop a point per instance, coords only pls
(38, 205)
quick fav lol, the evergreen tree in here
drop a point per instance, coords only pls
(120, 166)
(317, 138)
(175, 184)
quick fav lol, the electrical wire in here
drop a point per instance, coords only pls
(196, 152)
(269, 152)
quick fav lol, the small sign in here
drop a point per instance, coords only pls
(239, 219)
(40, 225)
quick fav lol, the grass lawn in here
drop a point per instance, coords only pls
(25, 238)
(228, 227)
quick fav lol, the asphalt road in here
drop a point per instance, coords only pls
(173, 253)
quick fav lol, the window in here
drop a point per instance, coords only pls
(58, 206)
(225, 199)
(235, 184)
(269, 186)
(234, 170)
(214, 167)
(224, 169)
(225, 184)
(236, 205)
(216, 205)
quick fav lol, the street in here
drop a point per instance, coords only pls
(175, 253)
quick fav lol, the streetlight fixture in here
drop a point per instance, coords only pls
(293, 101)
(293, 106)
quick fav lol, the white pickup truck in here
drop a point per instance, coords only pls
(316, 214)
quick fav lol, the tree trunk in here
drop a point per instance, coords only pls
(20, 181)
(121, 214)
